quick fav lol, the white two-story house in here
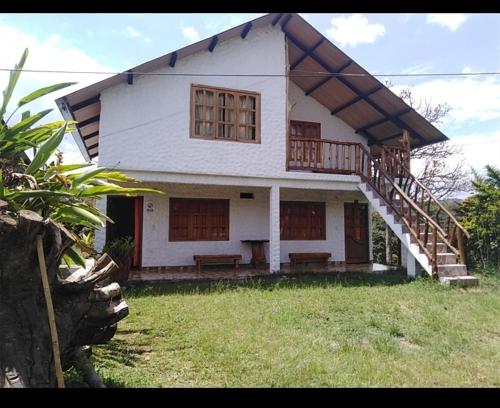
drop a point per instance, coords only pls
(265, 132)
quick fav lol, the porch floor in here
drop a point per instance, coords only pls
(216, 272)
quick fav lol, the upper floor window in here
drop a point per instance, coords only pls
(225, 114)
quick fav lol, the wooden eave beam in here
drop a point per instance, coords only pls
(173, 59)
(70, 110)
(88, 121)
(385, 139)
(325, 80)
(277, 18)
(353, 88)
(285, 22)
(91, 135)
(85, 103)
(383, 120)
(93, 146)
(369, 136)
(213, 43)
(246, 30)
(306, 54)
(130, 77)
(355, 100)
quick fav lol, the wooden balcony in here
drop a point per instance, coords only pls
(325, 156)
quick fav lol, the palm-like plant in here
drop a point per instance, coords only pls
(44, 185)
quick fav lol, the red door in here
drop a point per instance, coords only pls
(356, 233)
(138, 205)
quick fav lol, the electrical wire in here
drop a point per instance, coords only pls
(308, 74)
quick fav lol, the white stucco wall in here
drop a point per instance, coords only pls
(249, 219)
(145, 126)
(308, 109)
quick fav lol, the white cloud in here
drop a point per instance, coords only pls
(476, 151)
(353, 30)
(422, 68)
(190, 33)
(479, 149)
(471, 98)
(49, 54)
(133, 33)
(450, 20)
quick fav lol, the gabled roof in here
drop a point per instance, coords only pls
(362, 102)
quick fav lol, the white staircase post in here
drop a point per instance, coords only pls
(408, 261)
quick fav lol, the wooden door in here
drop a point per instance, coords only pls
(126, 212)
(306, 152)
(138, 208)
(356, 233)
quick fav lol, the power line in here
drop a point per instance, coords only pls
(308, 74)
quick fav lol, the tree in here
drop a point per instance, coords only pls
(438, 177)
(436, 174)
(480, 215)
(43, 198)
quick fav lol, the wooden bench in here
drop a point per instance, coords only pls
(296, 257)
(217, 259)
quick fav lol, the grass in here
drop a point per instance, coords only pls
(364, 331)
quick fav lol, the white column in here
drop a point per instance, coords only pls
(408, 260)
(274, 229)
(100, 234)
(370, 232)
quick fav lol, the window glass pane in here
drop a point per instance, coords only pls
(242, 133)
(209, 113)
(251, 118)
(229, 115)
(197, 112)
(252, 102)
(220, 131)
(230, 100)
(253, 133)
(222, 115)
(230, 132)
(199, 97)
(243, 102)
(242, 118)
(197, 128)
(209, 98)
(210, 129)
(201, 129)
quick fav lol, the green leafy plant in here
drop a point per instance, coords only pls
(120, 249)
(45, 185)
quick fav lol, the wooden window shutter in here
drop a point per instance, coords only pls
(194, 219)
(302, 220)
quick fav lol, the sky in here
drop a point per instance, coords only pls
(381, 43)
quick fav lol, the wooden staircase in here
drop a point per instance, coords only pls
(424, 225)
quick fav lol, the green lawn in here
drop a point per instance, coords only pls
(363, 331)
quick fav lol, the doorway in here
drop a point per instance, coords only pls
(126, 212)
(356, 232)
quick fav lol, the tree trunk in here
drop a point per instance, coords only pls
(87, 304)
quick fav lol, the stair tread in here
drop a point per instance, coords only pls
(454, 264)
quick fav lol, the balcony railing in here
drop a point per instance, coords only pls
(325, 156)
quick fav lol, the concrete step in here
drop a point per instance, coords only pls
(441, 247)
(445, 258)
(452, 270)
(460, 281)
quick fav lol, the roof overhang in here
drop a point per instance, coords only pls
(360, 100)
(363, 102)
